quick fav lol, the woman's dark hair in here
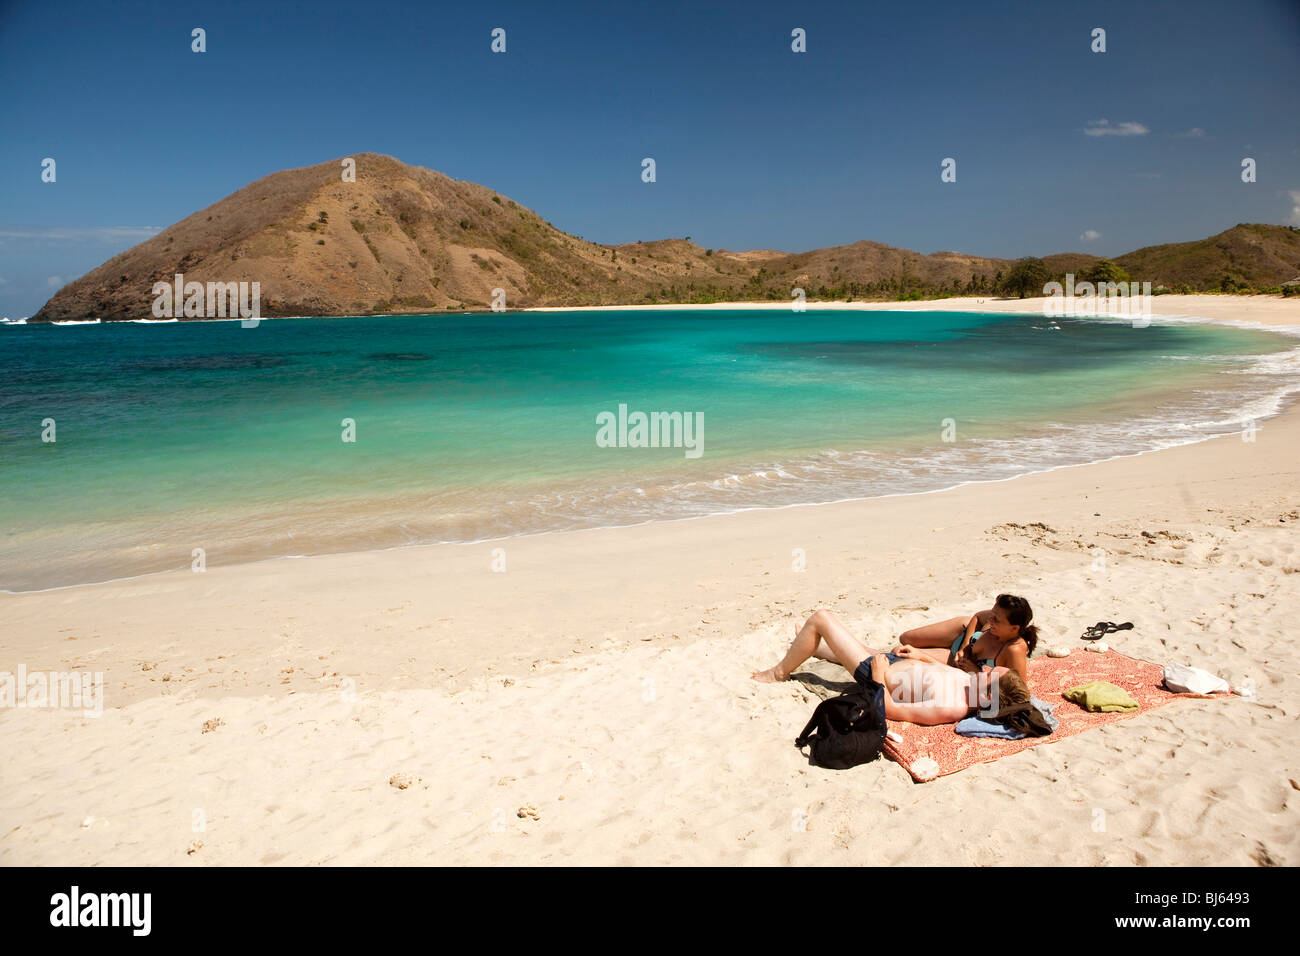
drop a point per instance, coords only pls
(1020, 613)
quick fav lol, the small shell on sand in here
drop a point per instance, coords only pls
(401, 780)
(212, 724)
(527, 813)
(925, 768)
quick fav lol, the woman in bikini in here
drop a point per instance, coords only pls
(999, 637)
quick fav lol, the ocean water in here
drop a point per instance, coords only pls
(173, 437)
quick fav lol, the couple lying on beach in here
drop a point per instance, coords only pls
(938, 674)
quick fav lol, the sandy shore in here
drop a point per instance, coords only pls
(592, 703)
(1264, 309)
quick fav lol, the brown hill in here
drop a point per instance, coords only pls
(407, 239)
(400, 238)
(1247, 255)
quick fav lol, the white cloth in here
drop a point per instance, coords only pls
(1185, 679)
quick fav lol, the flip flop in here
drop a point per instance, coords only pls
(1102, 628)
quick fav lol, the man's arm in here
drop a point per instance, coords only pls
(880, 673)
(926, 714)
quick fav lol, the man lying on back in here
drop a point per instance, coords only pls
(923, 692)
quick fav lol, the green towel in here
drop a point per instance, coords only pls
(1101, 696)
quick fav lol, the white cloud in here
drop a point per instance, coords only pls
(1194, 133)
(1090, 235)
(54, 281)
(1104, 127)
(97, 233)
(1294, 196)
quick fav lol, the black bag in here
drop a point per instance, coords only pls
(847, 730)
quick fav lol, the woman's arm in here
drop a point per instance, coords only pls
(963, 659)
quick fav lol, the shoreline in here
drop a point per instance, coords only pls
(1216, 305)
(1216, 302)
(1293, 407)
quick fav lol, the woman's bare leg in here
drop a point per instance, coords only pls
(940, 634)
(820, 630)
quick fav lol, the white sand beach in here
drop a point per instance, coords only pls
(592, 703)
(1264, 309)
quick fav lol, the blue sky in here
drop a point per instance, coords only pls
(755, 146)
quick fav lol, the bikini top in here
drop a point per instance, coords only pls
(956, 649)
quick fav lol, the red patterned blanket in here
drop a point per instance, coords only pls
(930, 752)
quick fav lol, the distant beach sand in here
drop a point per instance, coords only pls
(592, 704)
(1264, 309)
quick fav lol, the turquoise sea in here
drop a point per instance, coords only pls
(171, 437)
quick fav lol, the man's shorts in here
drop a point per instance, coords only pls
(863, 673)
